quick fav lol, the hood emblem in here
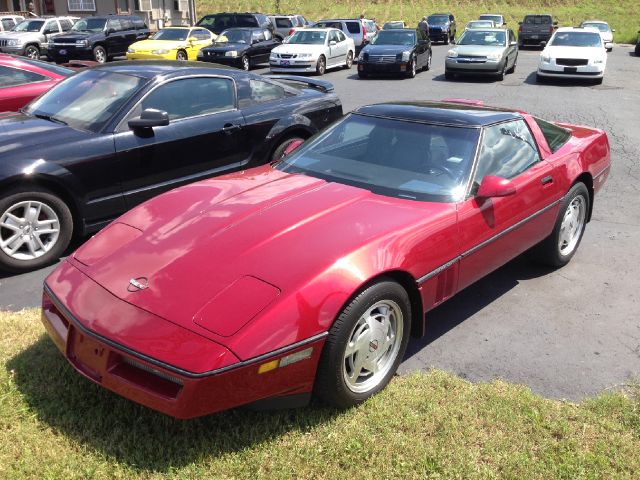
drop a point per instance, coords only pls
(137, 284)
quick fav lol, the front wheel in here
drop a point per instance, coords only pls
(181, 55)
(35, 229)
(349, 61)
(100, 54)
(321, 65)
(558, 248)
(246, 65)
(32, 52)
(411, 71)
(365, 345)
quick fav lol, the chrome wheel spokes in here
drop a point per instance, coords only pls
(28, 230)
(572, 225)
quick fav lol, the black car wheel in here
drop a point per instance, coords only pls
(349, 62)
(321, 65)
(35, 229)
(246, 65)
(32, 51)
(411, 69)
(501, 72)
(182, 55)
(513, 67)
(365, 345)
(279, 151)
(100, 54)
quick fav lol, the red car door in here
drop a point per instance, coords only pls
(494, 230)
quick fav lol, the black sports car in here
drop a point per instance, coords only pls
(114, 136)
(402, 50)
(240, 47)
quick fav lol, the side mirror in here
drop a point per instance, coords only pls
(613, 30)
(332, 43)
(608, 45)
(149, 118)
(543, 44)
(492, 186)
(513, 44)
(555, 23)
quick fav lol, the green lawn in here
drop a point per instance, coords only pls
(623, 15)
(54, 424)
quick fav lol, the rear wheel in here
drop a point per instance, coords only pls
(321, 65)
(32, 51)
(35, 229)
(246, 64)
(181, 55)
(365, 345)
(281, 149)
(100, 54)
(349, 62)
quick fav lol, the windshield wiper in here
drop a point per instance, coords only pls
(51, 118)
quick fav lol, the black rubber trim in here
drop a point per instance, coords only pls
(186, 373)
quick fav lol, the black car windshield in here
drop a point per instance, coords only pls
(172, 34)
(576, 39)
(29, 26)
(438, 19)
(234, 36)
(390, 37)
(390, 157)
(89, 25)
(308, 37)
(87, 100)
(603, 27)
(478, 37)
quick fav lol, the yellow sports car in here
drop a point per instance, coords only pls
(172, 43)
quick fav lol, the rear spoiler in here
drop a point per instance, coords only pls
(321, 85)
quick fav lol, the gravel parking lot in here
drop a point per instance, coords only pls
(568, 333)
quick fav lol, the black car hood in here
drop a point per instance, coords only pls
(439, 26)
(226, 47)
(72, 37)
(387, 49)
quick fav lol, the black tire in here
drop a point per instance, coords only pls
(501, 73)
(548, 251)
(182, 55)
(100, 54)
(513, 67)
(57, 248)
(321, 65)
(412, 69)
(349, 60)
(245, 63)
(446, 40)
(278, 152)
(32, 51)
(331, 385)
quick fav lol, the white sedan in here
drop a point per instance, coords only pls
(606, 32)
(573, 53)
(313, 50)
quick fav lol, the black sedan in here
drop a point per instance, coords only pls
(240, 47)
(401, 51)
(111, 137)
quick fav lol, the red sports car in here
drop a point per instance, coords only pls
(23, 79)
(309, 275)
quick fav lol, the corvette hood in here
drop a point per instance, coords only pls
(260, 233)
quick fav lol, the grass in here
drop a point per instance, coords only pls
(622, 15)
(55, 424)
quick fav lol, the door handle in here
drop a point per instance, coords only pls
(546, 180)
(229, 128)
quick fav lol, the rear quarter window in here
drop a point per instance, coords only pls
(353, 27)
(555, 136)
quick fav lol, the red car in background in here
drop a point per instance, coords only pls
(309, 275)
(23, 79)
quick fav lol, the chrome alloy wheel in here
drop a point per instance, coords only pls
(373, 346)
(28, 230)
(572, 225)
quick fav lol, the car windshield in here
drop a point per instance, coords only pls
(390, 157)
(234, 36)
(497, 19)
(306, 37)
(172, 34)
(87, 100)
(491, 38)
(576, 39)
(438, 19)
(603, 27)
(29, 26)
(89, 25)
(395, 38)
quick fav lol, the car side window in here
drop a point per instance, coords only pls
(11, 77)
(341, 36)
(191, 97)
(258, 36)
(333, 37)
(507, 150)
(66, 25)
(267, 34)
(354, 27)
(7, 24)
(555, 136)
(264, 92)
(51, 27)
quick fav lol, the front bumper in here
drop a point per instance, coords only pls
(373, 68)
(293, 65)
(550, 69)
(137, 375)
(13, 50)
(473, 67)
(62, 53)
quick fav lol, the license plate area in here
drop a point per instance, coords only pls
(570, 69)
(86, 354)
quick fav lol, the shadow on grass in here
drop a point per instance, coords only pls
(135, 435)
(474, 298)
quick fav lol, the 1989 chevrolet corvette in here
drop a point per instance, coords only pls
(308, 276)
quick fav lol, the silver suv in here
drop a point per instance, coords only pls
(351, 27)
(31, 37)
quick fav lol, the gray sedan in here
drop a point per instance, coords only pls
(492, 51)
